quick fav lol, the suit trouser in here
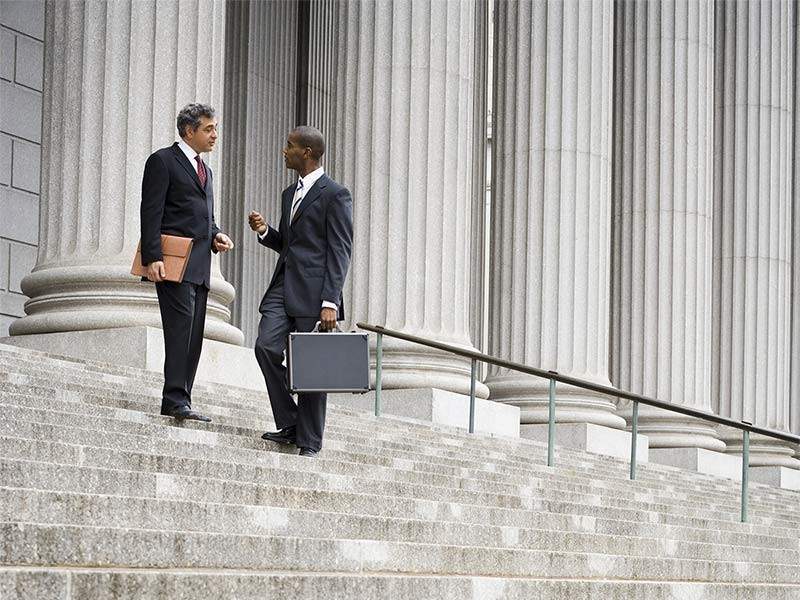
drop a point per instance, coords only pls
(183, 316)
(308, 415)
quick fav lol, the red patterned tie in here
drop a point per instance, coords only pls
(201, 171)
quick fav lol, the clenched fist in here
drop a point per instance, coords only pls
(257, 222)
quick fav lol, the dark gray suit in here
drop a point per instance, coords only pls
(314, 258)
(174, 202)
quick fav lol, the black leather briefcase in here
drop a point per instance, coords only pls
(328, 362)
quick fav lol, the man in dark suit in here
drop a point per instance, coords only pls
(178, 199)
(314, 239)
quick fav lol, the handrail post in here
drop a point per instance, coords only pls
(472, 396)
(378, 369)
(745, 471)
(551, 424)
(634, 434)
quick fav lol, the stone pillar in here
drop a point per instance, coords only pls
(403, 140)
(662, 221)
(550, 286)
(479, 255)
(116, 74)
(794, 369)
(753, 222)
(321, 72)
(260, 77)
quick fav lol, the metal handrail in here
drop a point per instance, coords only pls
(553, 376)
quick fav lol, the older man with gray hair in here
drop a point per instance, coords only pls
(178, 199)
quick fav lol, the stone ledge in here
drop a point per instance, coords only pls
(143, 348)
(700, 460)
(589, 437)
(438, 406)
(781, 477)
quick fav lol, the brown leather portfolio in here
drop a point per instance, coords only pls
(175, 250)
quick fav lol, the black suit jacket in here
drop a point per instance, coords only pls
(174, 202)
(315, 248)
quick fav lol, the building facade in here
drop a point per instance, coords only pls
(644, 228)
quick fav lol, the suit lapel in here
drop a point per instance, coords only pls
(184, 162)
(312, 196)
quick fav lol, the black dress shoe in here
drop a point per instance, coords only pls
(308, 452)
(287, 435)
(188, 414)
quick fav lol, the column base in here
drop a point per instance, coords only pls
(764, 451)
(143, 348)
(591, 438)
(412, 366)
(780, 477)
(438, 406)
(671, 430)
(699, 460)
(573, 405)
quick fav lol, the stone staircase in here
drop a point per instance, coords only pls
(102, 498)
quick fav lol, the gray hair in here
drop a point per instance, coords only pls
(310, 137)
(190, 116)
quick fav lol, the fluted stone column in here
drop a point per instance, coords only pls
(260, 79)
(662, 222)
(794, 369)
(479, 255)
(550, 284)
(321, 72)
(753, 221)
(403, 140)
(116, 74)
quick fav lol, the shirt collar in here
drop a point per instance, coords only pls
(189, 152)
(311, 179)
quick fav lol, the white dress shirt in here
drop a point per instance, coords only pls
(190, 153)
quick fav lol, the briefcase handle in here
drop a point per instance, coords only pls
(316, 328)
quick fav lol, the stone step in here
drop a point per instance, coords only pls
(555, 501)
(148, 548)
(645, 471)
(101, 497)
(472, 484)
(141, 420)
(208, 584)
(60, 478)
(275, 474)
(134, 422)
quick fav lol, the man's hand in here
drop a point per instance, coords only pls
(156, 271)
(222, 243)
(327, 319)
(257, 222)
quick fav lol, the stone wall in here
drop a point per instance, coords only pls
(21, 62)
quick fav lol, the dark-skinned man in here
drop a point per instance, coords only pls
(313, 239)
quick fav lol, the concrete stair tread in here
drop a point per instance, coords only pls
(143, 420)
(213, 584)
(102, 497)
(148, 443)
(645, 470)
(726, 533)
(148, 423)
(201, 489)
(112, 547)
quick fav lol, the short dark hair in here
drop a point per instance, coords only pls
(310, 137)
(190, 116)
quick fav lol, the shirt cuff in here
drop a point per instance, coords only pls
(261, 236)
(326, 304)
